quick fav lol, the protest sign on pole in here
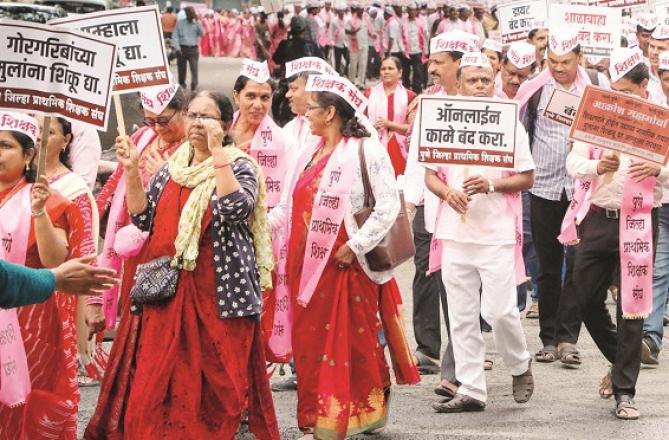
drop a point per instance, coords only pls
(562, 106)
(598, 27)
(516, 19)
(467, 131)
(56, 71)
(622, 123)
(142, 60)
(628, 4)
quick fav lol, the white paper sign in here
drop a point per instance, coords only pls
(467, 131)
(56, 71)
(142, 61)
(562, 107)
(515, 19)
(598, 28)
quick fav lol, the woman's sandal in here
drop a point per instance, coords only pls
(606, 386)
(626, 410)
(547, 354)
(570, 357)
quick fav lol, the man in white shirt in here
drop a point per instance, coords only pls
(479, 256)
(339, 39)
(375, 42)
(417, 45)
(358, 35)
(392, 34)
(658, 43)
(597, 253)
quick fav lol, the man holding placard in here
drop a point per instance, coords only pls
(620, 228)
(553, 187)
(478, 224)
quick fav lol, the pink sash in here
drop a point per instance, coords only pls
(269, 150)
(529, 88)
(331, 202)
(377, 107)
(514, 206)
(116, 220)
(421, 38)
(340, 27)
(636, 238)
(14, 231)
(372, 32)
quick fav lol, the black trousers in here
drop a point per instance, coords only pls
(596, 258)
(406, 68)
(419, 73)
(341, 52)
(546, 217)
(428, 291)
(189, 55)
(373, 63)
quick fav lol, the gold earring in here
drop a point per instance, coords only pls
(27, 166)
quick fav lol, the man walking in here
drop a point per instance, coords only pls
(187, 34)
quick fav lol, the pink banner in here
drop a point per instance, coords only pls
(636, 248)
(14, 231)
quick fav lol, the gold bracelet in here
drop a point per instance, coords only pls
(38, 214)
(223, 165)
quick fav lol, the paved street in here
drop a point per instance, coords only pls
(565, 405)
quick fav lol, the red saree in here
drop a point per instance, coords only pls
(187, 374)
(49, 337)
(343, 377)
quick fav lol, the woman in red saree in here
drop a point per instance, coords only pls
(197, 361)
(342, 375)
(388, 110)
(47, 328)
(163, 132)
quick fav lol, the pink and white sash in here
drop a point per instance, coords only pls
(529, 88)
(514, 206)
(372, 32)
(355, 24)
(268, 148)
(14, 232)
(635, 243)
(420, 29)
(340, 28)
(330, 204)
(377, 107)
(116, 220)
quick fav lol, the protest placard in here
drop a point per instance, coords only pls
(661, 8)
(56, 71)
(562, 106)
(142, 60)
(598, 27)
(615, 3)
(623, 123)
(515, 19)
(467, 131)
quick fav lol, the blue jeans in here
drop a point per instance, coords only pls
(652, 326)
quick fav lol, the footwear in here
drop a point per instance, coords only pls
(425, 364)
(613, 291)
(487, 364)
(459, 403)
(665, 320)
(445, 391)
(649, 351)
(289, 384)
(569, 357)
(626, 409)
(606, 386)
(533, 311)
(523, 385)
(546, 355)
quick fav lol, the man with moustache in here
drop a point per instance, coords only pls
(658, 43)
(518, 64)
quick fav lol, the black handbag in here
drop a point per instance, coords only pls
(155, 281)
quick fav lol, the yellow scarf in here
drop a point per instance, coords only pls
(201, 178)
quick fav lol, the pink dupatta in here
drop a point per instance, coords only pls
(14, 231)
(377, 107)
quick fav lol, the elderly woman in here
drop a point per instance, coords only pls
(164, 131)
(34, 232)
(199, 360)
(343, 379)
(253, 129)
(387, 110)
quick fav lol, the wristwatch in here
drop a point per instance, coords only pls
(491, 187)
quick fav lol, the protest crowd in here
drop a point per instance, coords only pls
(515, 154)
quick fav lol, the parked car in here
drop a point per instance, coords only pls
(30, 12)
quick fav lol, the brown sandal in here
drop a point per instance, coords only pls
(570, 357)
(606, 386)
(460, 403)
(523, 385)
(626, 410)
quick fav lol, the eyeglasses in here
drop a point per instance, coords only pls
(161, 120)
(312, 107)
(204, 118)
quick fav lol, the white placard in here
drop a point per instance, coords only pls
(467, 131)
(562, 107)
(56, 71)
(515, 19)
(142, 60)
(598, 27)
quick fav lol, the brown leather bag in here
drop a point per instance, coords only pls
(397, 246)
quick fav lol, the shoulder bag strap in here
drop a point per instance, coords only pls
(370, 202)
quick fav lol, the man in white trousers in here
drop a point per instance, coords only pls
(479, 256)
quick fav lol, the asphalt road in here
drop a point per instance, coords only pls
(565, 405)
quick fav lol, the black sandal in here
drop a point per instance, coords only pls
(546, 355)
(570, 357)
(460, 403)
